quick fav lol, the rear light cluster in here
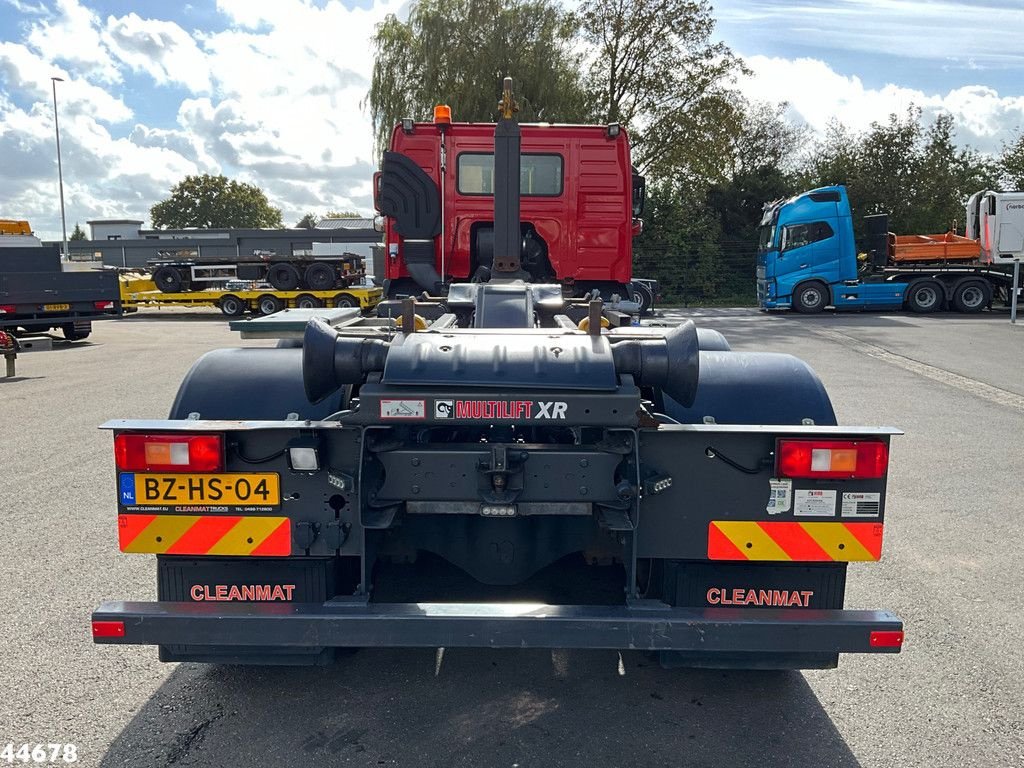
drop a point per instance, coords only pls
(7, 309)
(169, 453)
(836, 459)
(103, 304)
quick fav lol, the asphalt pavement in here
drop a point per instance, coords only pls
(952, 569)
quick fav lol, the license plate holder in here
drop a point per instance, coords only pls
(228, 490)
(56, 307)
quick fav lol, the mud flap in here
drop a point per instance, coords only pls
(182, 579)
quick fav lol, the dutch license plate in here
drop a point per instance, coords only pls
(56, 307)
(161, 490)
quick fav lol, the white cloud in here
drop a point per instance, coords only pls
(816, 94)
(162, 49)
(974, 35)
(274, 100)
(72, 36)
(290, 78)
(29, 73)
(27, 8)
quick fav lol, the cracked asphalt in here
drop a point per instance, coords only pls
(952, 569)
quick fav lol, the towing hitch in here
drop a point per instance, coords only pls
(501, 479)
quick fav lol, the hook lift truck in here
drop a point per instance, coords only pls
(524, 470)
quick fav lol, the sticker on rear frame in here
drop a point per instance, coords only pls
(403, 409)
(780, 496)
(861, 504)
(815, 504)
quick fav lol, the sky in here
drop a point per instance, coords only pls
(271, 91)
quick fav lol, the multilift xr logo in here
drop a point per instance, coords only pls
(516, 410)
(552, 410)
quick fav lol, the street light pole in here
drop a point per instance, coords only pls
(60, 170)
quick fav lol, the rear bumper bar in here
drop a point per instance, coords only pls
(642, 625)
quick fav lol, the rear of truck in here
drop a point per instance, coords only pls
(580, 207)
(574, 484)
(36, 295)
(500, 466)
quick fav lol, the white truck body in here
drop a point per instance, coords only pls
(996, 221)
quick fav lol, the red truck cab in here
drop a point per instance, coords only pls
(579, 209)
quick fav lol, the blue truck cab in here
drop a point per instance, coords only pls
(807, 257)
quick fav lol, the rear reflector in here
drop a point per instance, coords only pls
(846, 459)
(108, 629)
(169, 453)
(888, 639)
(103, 304)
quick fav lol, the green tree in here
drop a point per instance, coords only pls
(833, 159)
(947, 176)
(916, 174)
(1011, 163)
(766, 139)
(456, 52)
(879, 167)
(658, 71)
(680, 245)
(214, 202)
(700, 228)
(761, 168)
(308, 221)
(77, 233)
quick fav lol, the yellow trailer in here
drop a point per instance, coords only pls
(136, 293)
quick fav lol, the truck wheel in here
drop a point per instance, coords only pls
(168, 279)
(283, 276)
(268, 304)
(68, 329)
(810, 298)
(971, 296)
(924, 297)
(343, 300)
(305, 301)
(642, 295)
(232, 306)
(319, 277)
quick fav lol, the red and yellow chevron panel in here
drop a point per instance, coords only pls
(204, 535)
(794, 541)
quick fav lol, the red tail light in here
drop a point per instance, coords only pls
(108, 629)
(883, 639)
(840, 459)
(169, 453)
(103, 304)
(7, 309)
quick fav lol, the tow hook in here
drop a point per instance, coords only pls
(501, 480)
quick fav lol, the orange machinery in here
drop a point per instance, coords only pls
(14, 227)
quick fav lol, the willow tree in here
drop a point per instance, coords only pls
(456, 52)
